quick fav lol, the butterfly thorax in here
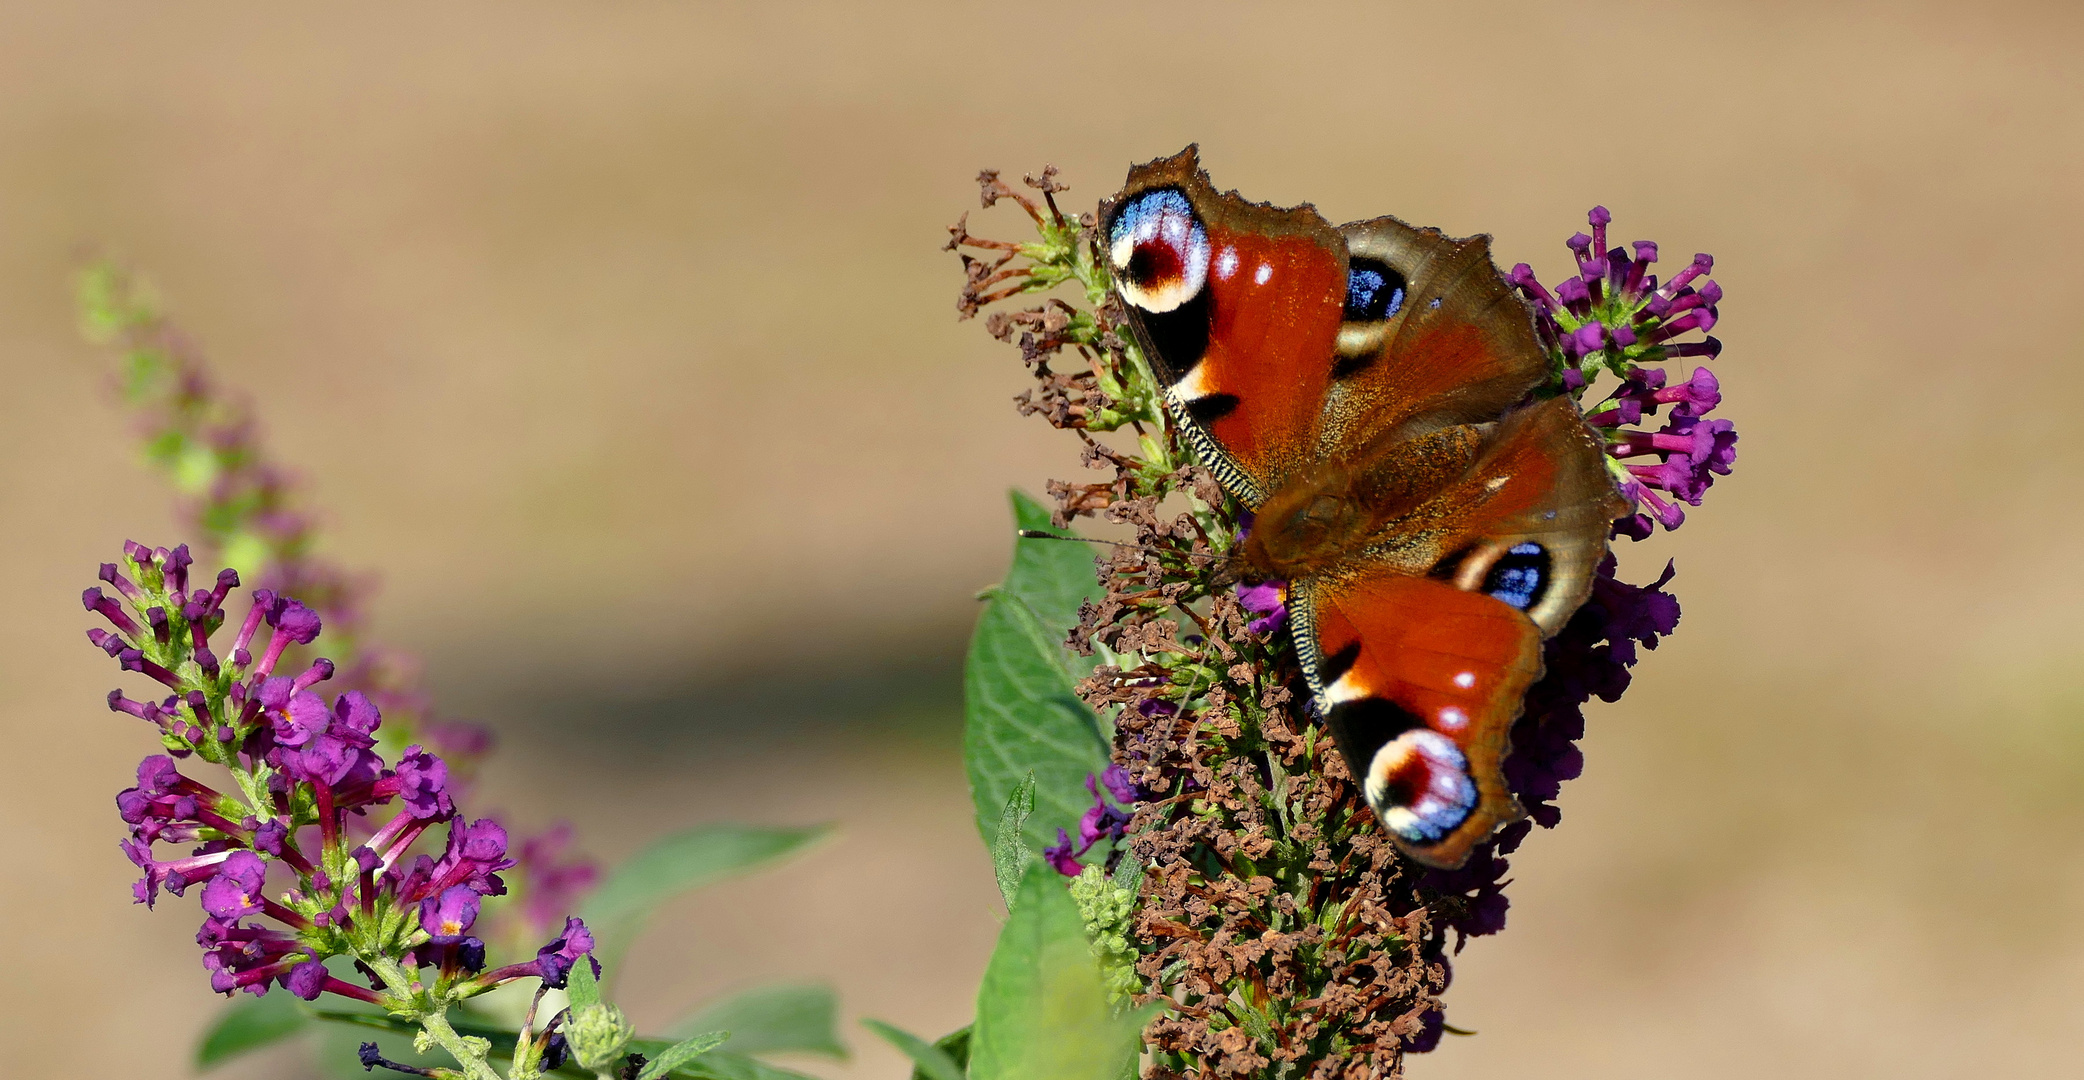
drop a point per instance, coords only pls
(1385, 502)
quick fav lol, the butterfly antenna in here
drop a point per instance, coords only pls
(1038, 534)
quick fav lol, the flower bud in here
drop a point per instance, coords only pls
(598, 1033)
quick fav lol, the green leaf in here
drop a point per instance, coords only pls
(249, 1023)
(774, 1019)
(674, 864)
(1009, 854)
(1021, 715)
(680, 1053)
(955, 1044)
(1043, 1012)
(580, 988)
(933, 1062)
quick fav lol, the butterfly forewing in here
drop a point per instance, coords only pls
(1237, 305)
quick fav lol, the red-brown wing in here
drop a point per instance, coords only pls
(1237, 305)
(1420, 683)
(1433, 336)
(1529, 522)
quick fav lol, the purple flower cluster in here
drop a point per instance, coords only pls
(1614, 316)
(1101, 821)
(1590, 658)
(306, 775)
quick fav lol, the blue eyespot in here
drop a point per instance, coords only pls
(1520, 576)
(1374, 290)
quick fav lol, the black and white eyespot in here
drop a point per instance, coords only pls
(1420, 787)
(1375, 293)
(1159, 251)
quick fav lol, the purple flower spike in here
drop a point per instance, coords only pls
(354, 713)
(1698, 395)
(134, 660)
(112, 575)
(476, 854)
(290, 617)
(469, 955)
(1120, 786)
(262, 601)
(320, 670)
(175, 567)
(1099, 822)
(1523, 276)
(293, 624)
(300, 718)
(270, 836)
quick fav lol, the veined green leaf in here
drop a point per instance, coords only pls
(1010, 854)
(1021, 715)
(580, 988)
(680, 1053)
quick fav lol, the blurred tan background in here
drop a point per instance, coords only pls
(617, 337)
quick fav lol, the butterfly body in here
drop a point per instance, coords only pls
(1367, 391)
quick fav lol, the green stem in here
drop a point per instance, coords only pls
(433, 1018)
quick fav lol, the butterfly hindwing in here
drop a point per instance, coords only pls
(1420, 682)
(1237, 305)
(1529, 522)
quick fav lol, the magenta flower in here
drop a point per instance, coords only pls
(1267, 601)
(423, 782)
(1614, 316)
(448, 916)
(236, 890)
(1100, 821)
(300, 761)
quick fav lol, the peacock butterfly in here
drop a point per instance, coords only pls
(1369, 392)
